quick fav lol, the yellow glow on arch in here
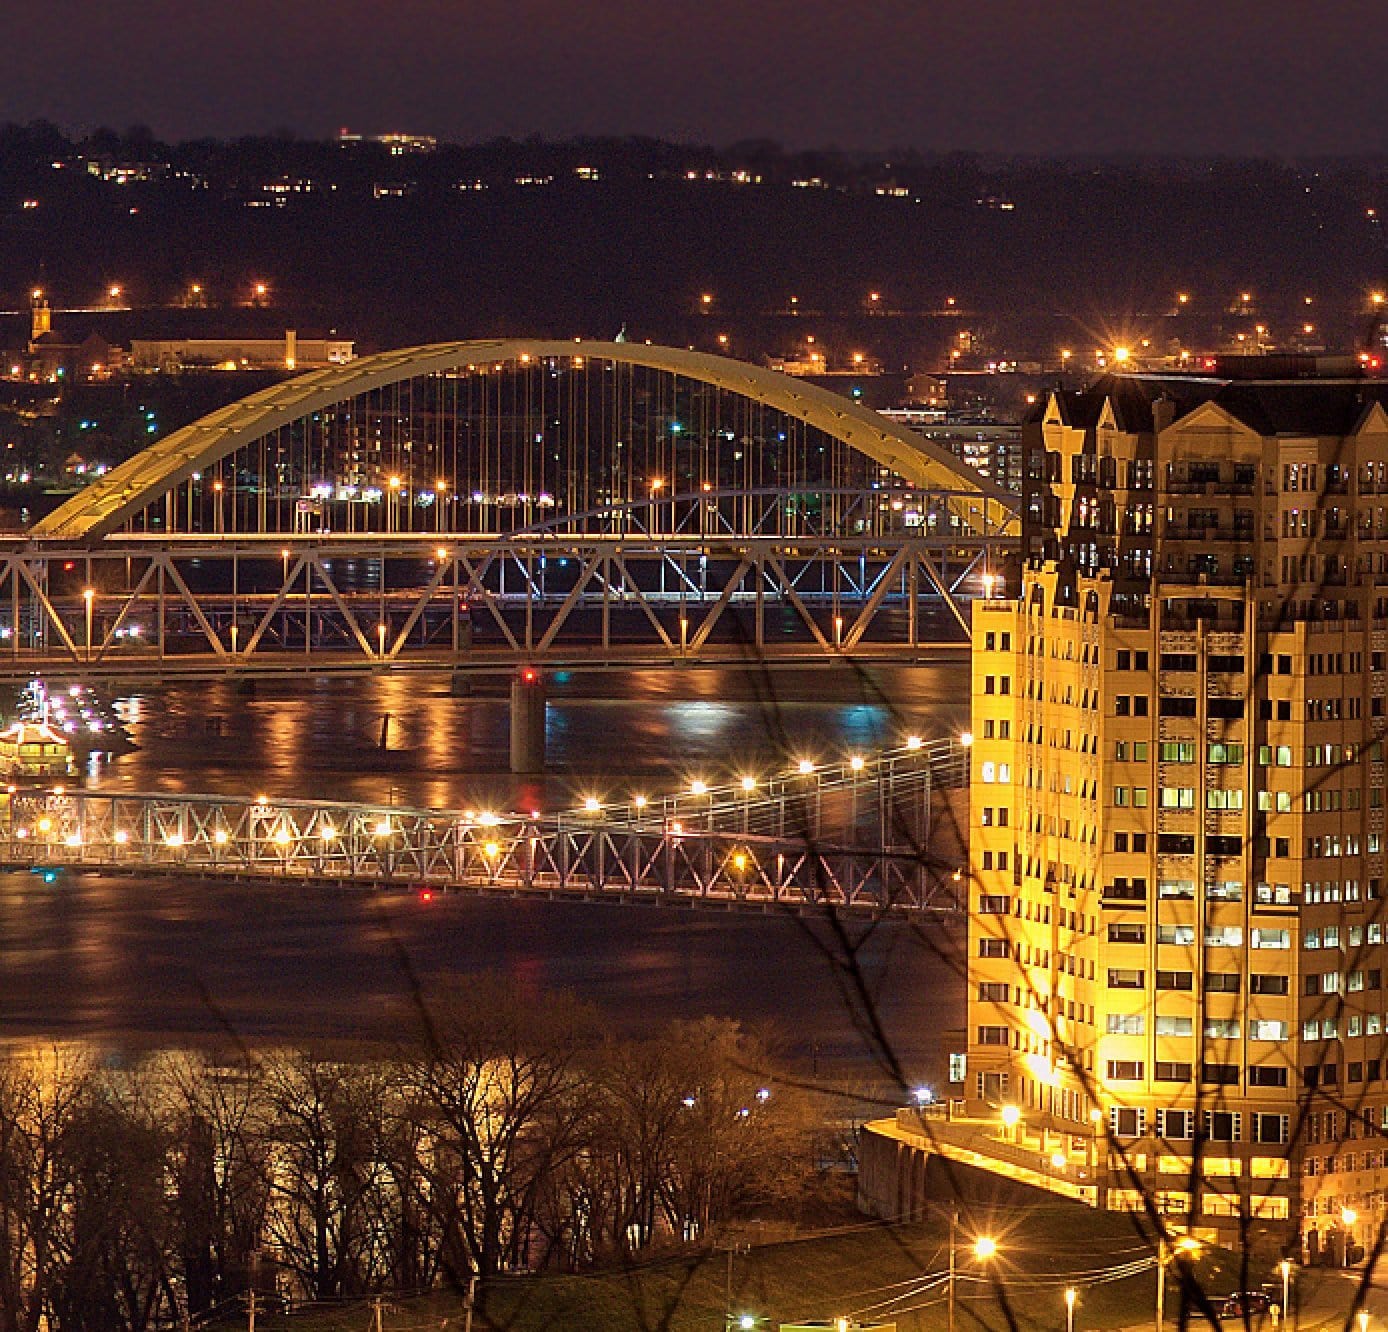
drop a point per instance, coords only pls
(101, 508)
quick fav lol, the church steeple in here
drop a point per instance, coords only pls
(41, 317)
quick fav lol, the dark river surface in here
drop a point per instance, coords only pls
(125, 962)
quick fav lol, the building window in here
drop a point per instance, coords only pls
(1223, 1125)
(1127, 1122)
(992, 1035)
(1174, 1026)
(1125, 978)
(993, 992)
(1269, 1128)
(1222, 1029)
(1126, 1024)
(1176, 1125)
(1124, 1070)
(1165, 1070)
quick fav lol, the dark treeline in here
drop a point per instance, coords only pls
(1032, 250)
(512, 1136)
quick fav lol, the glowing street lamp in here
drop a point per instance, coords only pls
(984, 1248)
(1070, 1294)
(1186, 1247)
(88, 596)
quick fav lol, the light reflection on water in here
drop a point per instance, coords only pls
(124, 960)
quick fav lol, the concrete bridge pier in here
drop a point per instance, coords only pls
(528, 720)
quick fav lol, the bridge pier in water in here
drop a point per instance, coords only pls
(528, 698)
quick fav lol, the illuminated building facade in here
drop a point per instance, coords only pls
(1177, 826)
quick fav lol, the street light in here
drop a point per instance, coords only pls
(984, 1247)
(1285, 1268)
(1070, 1309)
(1186, 1246)
(88, 596)
(1348, 1216)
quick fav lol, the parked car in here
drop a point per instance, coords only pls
(1244, 1304)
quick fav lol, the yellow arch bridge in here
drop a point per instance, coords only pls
(479, 504)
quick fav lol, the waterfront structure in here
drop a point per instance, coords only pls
(289, 352)
(1177, 827)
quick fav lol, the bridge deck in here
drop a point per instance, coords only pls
(852, 838)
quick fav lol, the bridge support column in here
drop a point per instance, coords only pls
(528, 721)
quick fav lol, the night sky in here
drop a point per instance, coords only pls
(1278, 77)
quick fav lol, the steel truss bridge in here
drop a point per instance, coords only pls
(480, 504)
(639, 594)
(851, 836)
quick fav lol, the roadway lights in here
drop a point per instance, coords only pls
(857, 763)
(282, 836)
(698, 787)
(749, 784)
(966, 738)
(329, 833)
(923, 1096)
(592, 805)
(639, 801)
(121, 837)
(985, 1247)
(805, 767)
(382, 829)
(914, 742)
(1121, 354)
(220, 836)
(491, 850)
(1058, 1161)
(174, 839)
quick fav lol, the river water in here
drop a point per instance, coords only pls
(127, 962)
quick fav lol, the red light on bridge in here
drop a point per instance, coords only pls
(529, 675)
(426, 894)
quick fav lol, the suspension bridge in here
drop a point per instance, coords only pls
(858, 836)
(482, 504)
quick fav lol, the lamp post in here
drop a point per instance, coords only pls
(984, 1248)
(88, 596)
(1285, 1268)
(1348, 1216)
(1166, 1251)
(1070, 1309)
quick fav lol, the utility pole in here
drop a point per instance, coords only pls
(376, 1325)
(250, 1292)
(953, 1224)
(470, 1302)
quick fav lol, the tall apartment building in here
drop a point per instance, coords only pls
(1177, 921)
